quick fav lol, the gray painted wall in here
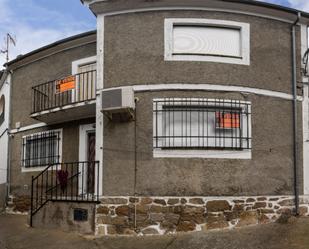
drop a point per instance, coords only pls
(49, 68)
(134, 54)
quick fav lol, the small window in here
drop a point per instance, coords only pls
(207, 40)
(41, 149)
(202, 124)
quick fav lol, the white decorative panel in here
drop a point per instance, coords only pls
(206, 41)
(197, 39)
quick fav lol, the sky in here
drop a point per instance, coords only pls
(36, 23)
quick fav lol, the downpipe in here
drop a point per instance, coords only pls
(295, 114)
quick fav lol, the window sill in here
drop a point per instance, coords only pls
(222, 154)
(33, 169)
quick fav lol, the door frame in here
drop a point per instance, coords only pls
(83, 149)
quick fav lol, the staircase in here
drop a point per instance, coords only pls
(65, 182)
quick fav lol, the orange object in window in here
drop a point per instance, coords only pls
(227, 120)
(65, 84)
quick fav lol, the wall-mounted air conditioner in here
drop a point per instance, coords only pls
(118, 104)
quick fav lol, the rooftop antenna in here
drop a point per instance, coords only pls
(9, 40)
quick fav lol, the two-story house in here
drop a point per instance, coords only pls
(173, 116)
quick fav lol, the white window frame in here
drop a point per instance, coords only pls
(244, 35)
(192, 153)
(40, 168)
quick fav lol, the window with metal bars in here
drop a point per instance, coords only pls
(41, 149)
(215, 124)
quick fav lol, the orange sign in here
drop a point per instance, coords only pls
(227, 120)
(66, 84)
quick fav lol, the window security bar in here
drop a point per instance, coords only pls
(41, 149)
(201, 124)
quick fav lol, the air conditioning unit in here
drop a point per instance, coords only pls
(118, 104)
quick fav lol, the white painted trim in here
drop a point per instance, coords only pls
(113, 13)
(83, 131)
(80, 62)
(28, 127)
(100, 86)
(305, 113)
(211, 87)
(40, 168)
(66, 107)
(218, 154)
(244, 34)
(82, 148)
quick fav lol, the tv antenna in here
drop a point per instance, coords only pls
(8, 40)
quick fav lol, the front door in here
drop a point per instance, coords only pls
(91, 162)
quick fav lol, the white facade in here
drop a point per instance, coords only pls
(4, 135)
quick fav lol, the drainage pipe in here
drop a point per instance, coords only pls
(294, 91)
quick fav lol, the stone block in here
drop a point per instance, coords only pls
(288, 202)
(123, 211)
(156, 217)
(259, 205)
(217, 206)
(247, 218)
(102, 210)
(146, 200)
(173, 201)
(185, 226)
(249, 200)
(197, 201)
(216, 221)
(261, 199)
(160, 202)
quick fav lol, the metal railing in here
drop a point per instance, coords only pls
(201, 124)
(61, 92)
(68, 182)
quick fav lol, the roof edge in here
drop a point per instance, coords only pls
(51, 45)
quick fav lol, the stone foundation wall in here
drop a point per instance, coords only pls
(157, 215)
(18, 204)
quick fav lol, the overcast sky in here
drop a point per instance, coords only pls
(36, 23)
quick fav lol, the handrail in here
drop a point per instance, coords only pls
(69, 181)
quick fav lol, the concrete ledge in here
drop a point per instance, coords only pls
(60, 215)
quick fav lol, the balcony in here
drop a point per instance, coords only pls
(65, 99)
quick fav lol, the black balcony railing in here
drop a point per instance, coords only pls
(61, 92)
(69, 182)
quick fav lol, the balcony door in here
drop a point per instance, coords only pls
(85, 78)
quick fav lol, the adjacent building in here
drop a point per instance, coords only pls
(171, 116)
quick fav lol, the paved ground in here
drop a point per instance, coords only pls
(15, 234)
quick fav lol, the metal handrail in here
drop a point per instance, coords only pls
(70, 181)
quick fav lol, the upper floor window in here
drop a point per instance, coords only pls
(202, 124)
(41, 149)
(207, 40)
